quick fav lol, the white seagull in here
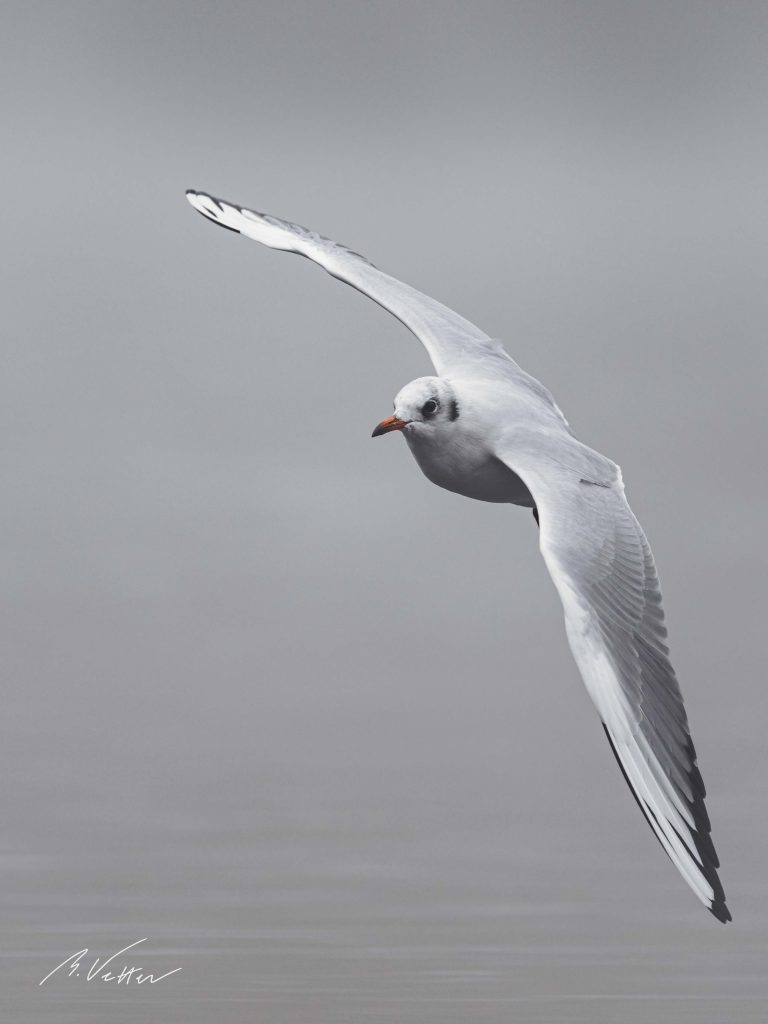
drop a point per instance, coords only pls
(485, 428)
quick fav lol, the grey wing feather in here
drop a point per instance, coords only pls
(602, 566)
(452, 343)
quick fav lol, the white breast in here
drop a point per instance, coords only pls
(464, 466)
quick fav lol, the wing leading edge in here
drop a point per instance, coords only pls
(452, 343)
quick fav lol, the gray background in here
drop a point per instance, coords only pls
(273, 701)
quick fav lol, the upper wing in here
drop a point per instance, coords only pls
(452, 342)
(602, 566)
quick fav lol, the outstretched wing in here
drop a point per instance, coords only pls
(601, 563)
(453, 343)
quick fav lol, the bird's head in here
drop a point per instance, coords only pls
(424, 405)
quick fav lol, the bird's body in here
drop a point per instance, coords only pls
(486, 429)
(455, 454)
(470, 470)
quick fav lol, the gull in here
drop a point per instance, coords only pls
(484, 428)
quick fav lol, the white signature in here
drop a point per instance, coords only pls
(98, 971)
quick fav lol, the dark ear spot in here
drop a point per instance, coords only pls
(453, 411)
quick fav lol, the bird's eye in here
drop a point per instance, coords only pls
(429, 408)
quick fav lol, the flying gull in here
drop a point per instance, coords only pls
(486, 429)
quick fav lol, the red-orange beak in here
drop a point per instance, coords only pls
(390, 423)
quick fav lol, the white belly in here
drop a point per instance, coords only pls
(467, 469)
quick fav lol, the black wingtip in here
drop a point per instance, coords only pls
(718, 907)
(720, 911)
(193, 192)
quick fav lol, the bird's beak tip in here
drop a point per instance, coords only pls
(390, 423)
